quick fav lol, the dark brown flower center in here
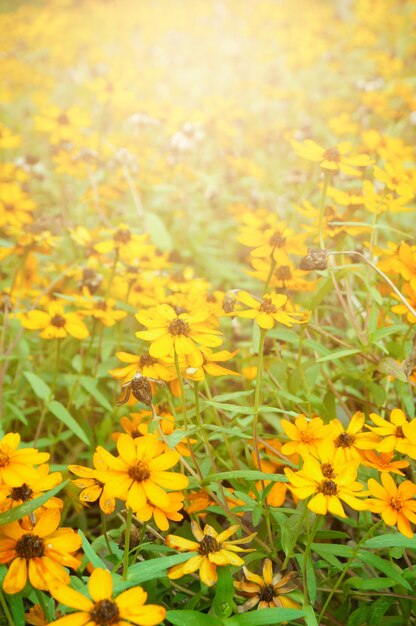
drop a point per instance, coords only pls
(277, 240)
(332, 154)
(122, 236)
(327, 470)
(63, 119)
(267, 306)
(8, 207)
(396, 503)
(344, 440)
(208, 544)
(58, 321)
(30, 547)
(4, 457)
(283, 273)
(139, 472)
(399, 432)
(105, 613)
(101, 305)
(21, 493)
(146, 359)
(328, 488)
(266, 594)
(179, 327)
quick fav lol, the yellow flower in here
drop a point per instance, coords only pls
(349, 443)
(39, 481)
(16, 466)
(284, 277)
(383, 462)
(266, 591)
(54, 323)
(147, 365)
(103, 608)
(40, 554)
(62, 125)
(395, 177)
(139, 473)
(397, 434)
(396, 504)
(332, 159)
(275, 242)
(269, 310)
(162, 515)
(101, 309)
(401, 309)
(196, 371)
(127, 244)
(171, 333)
(92, 488)
(305, 435)
(8, 139)
(213, 550)
(328, 484)
(15, 206)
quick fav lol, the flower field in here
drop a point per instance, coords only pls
(207, 313)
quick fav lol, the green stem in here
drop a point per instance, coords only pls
(269, 277)
(346, 568)
(295, 537)
(56, 370)
(263, 333)
(306, 555)
(7, 613)
(127, 543)
(322, 212)
(104, 524)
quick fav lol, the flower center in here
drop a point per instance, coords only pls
(105, 613)
(179, 327)
(332, 154)
(328, 488)
(8, 207)
(267, 306)
(139, 471)
(101, 305)
(396, 503)
(122, 236)
(277, 240)
(208, 544)
(283, 273)
(266, 594)
(63, 119)
(146, 359)
(305, 437)
(327, 470)
(21, 493)
(30, 547)
(344, 440)
(58, 321)
(399, 432)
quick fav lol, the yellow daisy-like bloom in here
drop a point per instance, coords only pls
(401, 309)
(328, 484)
(54, 323)
(266, 591)
(100, 309)
(139, 473)
(16, 466)
(15, 206)
(162, 515)
(62, 125)
(39, 481)
(397, 434)
(305, 435)
(276, 242)
(213, 550)
(269, 310)
(350, 442)
(383, 462)
(103, 608)
(395, 503)
(171, 333)
(8, 139)
(332, 160)
(284, 277)
(147, 365)
(395, 178)
(40, 554)
(210, 365)
(92, 488)
(125, 243)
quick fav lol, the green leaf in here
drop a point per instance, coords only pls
(338, 354)
(265, 617)
(192, 618)
(391, 540)
(390, 570)
(246, 474)
(31, 505)
(310, 617)
(62, 414)
(93, 558)
(390, 367)
(40, 388)
(158, 232)
(224, 593)
(89, 385)
(155, 568)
